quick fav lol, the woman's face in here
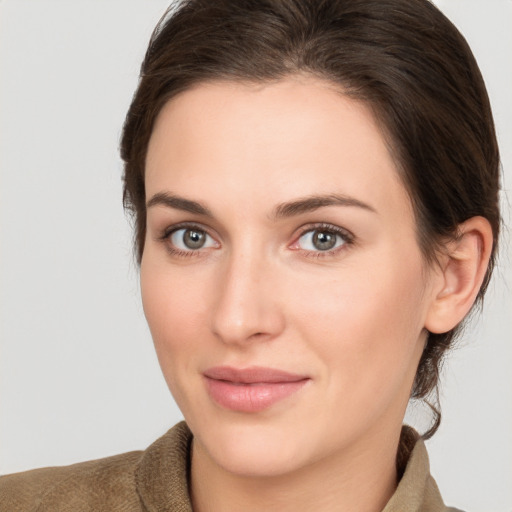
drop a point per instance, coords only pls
(281, 276)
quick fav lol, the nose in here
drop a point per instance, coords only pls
(247, 307)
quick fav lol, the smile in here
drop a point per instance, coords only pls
(251, 389)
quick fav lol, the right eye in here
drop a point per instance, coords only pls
(191, 239)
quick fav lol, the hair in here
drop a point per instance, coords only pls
(402, 58)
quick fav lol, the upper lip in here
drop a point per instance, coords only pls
(252, 375)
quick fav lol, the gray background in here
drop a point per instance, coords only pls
(78, 376)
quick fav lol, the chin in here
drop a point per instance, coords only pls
(257, 445)
(257, 450)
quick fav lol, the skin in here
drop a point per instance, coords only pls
(351, 319)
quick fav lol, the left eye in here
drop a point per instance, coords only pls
(191, 239)
(320, 240)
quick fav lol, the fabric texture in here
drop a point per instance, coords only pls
(156, 480)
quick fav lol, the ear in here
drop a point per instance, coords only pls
(462, 270)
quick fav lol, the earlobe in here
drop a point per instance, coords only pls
(463, 267)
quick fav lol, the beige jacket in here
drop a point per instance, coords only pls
(155, 480)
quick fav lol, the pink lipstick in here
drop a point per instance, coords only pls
(251, 389)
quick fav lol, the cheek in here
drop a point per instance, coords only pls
(171, 295)
(366, 325)
(175, 309)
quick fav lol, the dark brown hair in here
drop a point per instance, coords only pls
(403, 58)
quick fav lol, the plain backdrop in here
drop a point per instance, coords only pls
(78, 376)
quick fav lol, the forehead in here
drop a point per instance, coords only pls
(270, 142)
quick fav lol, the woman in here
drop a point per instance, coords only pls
(315, 201)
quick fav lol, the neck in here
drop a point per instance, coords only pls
(362, 478)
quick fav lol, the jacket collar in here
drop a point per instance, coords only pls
(417, 491)
(163, 473)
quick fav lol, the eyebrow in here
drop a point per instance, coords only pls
(311, 203)
(178, 203)
(283, 210)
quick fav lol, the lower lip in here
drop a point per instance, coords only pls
(251, 397)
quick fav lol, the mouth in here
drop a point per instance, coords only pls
(252, 389)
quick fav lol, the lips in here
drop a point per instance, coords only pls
(252, 389)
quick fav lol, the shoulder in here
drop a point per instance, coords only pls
(153, 479)
(104, 484)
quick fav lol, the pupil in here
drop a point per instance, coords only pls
(193, 239)
(324, 240)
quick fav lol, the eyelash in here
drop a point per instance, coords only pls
(166, 235)
(347, 237)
